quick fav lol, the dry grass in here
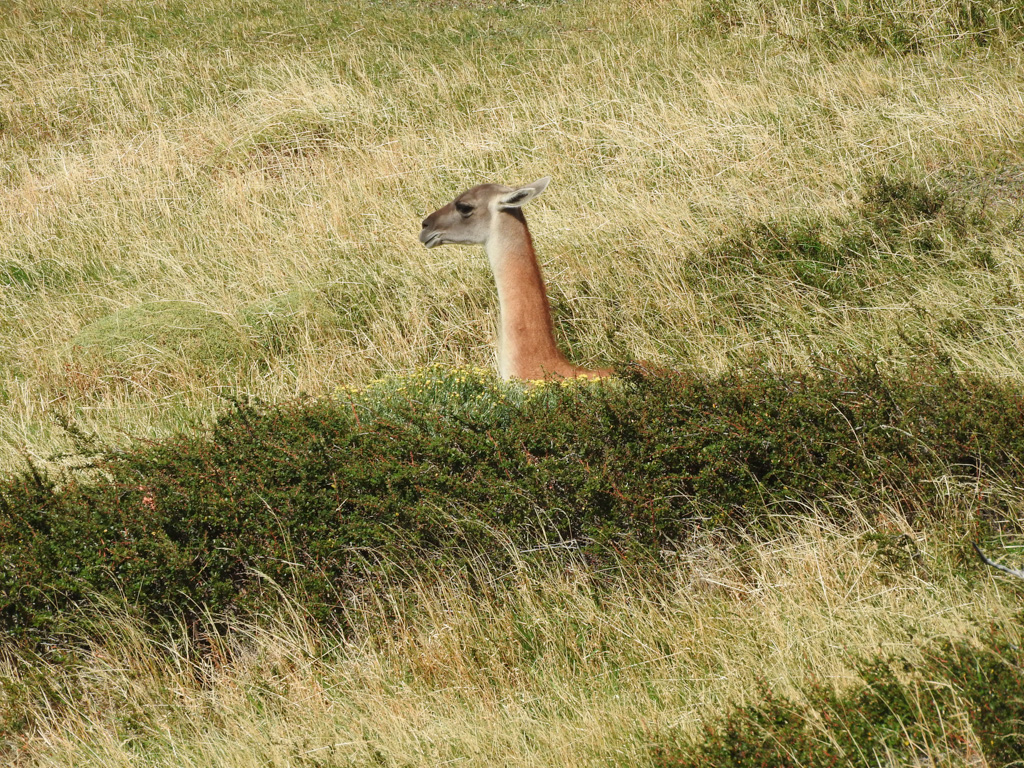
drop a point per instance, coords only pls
(538, 666)
(232, 157)
(271, 162)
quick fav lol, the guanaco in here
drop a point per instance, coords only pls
(491, 215)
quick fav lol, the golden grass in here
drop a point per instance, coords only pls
(541, 665)
(154, 156)
(274, 167)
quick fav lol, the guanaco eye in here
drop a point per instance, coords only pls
(464, 208)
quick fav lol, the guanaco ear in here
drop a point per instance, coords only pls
(523, 194)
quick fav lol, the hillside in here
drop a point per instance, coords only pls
(199, 201)
(264, 502)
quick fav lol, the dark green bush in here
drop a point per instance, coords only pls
(321, 495)
(896, 713)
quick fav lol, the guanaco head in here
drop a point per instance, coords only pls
(470, 218)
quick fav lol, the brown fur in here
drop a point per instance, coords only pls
(490, 215)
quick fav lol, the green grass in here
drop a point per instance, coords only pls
(792, 183)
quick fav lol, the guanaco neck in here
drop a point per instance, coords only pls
(526, 339)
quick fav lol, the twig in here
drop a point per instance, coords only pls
(1013, 572)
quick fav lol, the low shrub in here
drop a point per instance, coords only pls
(320, 494)
(965, 699)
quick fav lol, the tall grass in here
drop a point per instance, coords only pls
(203, 199)
(540, 664)
(271, 163)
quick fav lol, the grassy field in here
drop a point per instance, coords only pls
(206, 200)
(265, 168)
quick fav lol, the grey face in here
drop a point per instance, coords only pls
(466, 220)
